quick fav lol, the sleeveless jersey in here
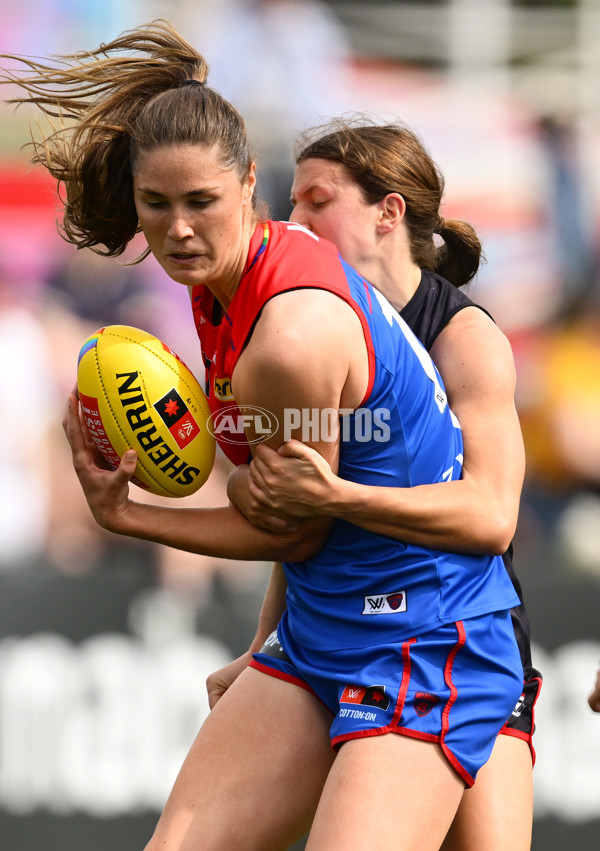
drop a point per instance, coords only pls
(363, 588)
(427, 313)
(433, 305)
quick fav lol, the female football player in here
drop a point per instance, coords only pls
(402, 656)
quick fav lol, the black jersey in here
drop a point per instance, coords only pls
(433, 305)
(430, 309)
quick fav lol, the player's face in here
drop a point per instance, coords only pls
(327, 201)
(194, 213)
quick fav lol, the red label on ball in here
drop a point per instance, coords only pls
(95, 427)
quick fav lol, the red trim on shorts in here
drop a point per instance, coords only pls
(281, 675)
(456, 765)
(406, 670)
(518, 734)
(417, 734)
(521, 734)
(530, 739)
(288, 678)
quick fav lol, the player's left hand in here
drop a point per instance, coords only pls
(295, 480)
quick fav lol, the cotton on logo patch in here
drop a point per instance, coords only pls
(385, 604)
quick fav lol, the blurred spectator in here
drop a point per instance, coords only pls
(559, 406)
(43, 27)
(300, 59)
(559, 403)
(559, 363)
(565, 208)
(26, 383)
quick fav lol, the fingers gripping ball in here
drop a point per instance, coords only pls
(135, 393)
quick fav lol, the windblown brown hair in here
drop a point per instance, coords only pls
(104, 107)
(384, 158)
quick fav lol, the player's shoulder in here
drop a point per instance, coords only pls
(473, 321)
(433, 305)
(471, 346)
(305, 315)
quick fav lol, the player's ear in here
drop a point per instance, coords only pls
(391, 212)
(250, 183)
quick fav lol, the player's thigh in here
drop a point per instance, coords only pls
(254, 774)
(389, 791)
(497, 812)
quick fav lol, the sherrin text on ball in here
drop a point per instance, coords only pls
(136, 393)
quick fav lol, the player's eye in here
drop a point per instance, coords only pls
(154, 202)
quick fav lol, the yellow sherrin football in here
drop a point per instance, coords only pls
(136, 393)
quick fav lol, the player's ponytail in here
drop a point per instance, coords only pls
(459, 256)
(391, 158)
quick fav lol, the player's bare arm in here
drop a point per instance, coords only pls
(221, 532)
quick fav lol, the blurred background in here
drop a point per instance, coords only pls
(105, 644)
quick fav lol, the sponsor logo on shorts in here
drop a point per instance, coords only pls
(273, 648)
(369, 696)
(385, 604)
(519, 707)
(424, 702)
(358, 715)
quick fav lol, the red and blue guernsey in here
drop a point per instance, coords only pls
(361, 588)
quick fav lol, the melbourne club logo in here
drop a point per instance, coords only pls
(177, 417)
(385, 604)
(424, 702)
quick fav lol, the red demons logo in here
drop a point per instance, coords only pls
(424, 702)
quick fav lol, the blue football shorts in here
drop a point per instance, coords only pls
(455, 685)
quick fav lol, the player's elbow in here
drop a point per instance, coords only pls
(497, 532)
(302, 544)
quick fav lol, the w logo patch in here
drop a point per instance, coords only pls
(385, 604)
